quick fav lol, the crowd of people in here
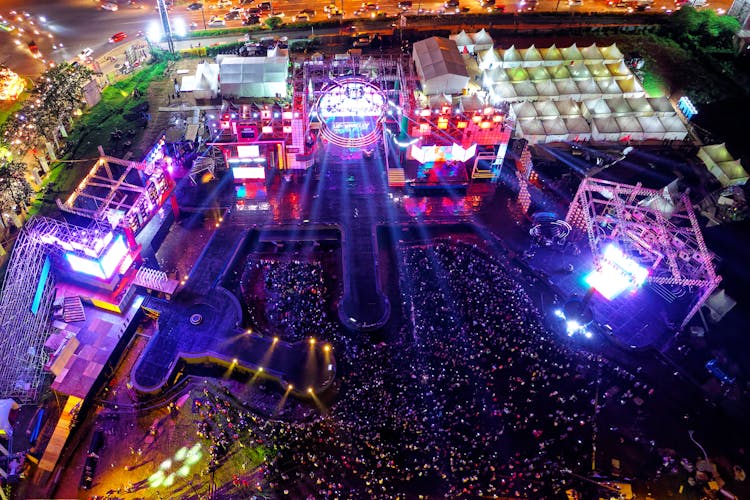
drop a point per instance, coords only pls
(292, 301)
(475, 398)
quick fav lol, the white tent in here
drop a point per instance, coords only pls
(470, 103)
(661, 106)
(630, 127)
(517, 74)
(524, 110)
(720, 162)
(489, 59)
(558, 72)
(546, 89)
(609, 87)
(531, 56)
(206, 81)
(578, 129)
(555, 129)
(525, 89)
(605, 129)
(568, 108)
(531, 130)
(503, 91)
(567, 89)
(619, 69)
(579, 71)
(463, 42)
(253, 76)
(492, 76)
(592, 54)
(482, 40)
(552, 56)
(611, 54)
(595, 108)
(640, 106)
(674, 128)
(572, 53)
(537, 73)
(618, 106)
(652, 127)
(546, 109)
(440, 67)
(630, 87)
(588, 89)
(598, 70)
(511, 57)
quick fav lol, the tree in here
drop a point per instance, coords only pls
(15, 190)
(273, 22)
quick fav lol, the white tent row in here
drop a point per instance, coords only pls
(720, 162)
(526, 90)
(579, 71)
(473, 42)
(551, 56)
(545, 127)
(624, 106)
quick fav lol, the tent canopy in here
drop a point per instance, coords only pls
(440, 67)
(253, 76)
(720, 162)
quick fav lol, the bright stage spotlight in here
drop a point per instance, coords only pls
(617, 273)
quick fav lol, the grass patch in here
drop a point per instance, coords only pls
(671, 68)
(94, 129)
(7, 108)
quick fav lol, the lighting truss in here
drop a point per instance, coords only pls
(23, 333)
(661, 234)
(385, 73)
(103, 189)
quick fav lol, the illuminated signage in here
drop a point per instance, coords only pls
(248, 151)
(431, 154)
(103, 267)
(240, 173)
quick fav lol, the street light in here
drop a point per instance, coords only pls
(203, 15)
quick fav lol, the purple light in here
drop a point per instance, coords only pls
(113, 257)
(105, 266)
(84, 265)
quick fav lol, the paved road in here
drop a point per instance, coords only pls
(80, 24)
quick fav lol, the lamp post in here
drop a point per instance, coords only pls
(203, 15)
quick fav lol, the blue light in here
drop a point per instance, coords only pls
(40, 286)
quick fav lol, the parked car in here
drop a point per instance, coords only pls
(118, 37)
(231, 15)
(85, 53)
(251, 20)
(111, 6)
(362, 40)
(195, 6)
(405, 4)
(265, 6)
(216, 22)
(301, 18)
(92, 459)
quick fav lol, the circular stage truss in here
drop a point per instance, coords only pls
(351, 111)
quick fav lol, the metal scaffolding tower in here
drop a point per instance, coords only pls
(25, 305)
(660, 232)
